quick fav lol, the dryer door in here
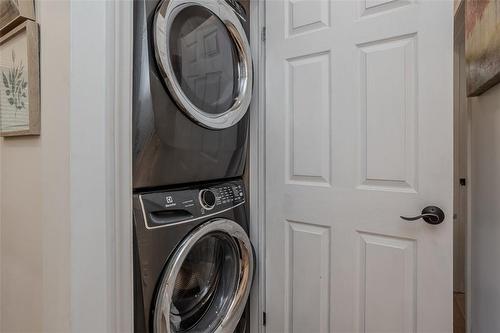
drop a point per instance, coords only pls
(206, 283)
(204, 58)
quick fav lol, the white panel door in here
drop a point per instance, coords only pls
(359, 131)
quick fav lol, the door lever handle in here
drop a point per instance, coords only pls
(430, 214)
(414, 218)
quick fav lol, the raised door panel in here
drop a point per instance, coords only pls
(370, 7)
(389, 114)
(387, 284)
(307, 277)
(304, 16)
(308, 119)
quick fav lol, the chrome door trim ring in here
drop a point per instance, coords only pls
(240, 297)
(165, 13)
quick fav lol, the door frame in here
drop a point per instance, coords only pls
(101, 167)
(122, 222)
(459, 28)
(256, 164)
(115, 136)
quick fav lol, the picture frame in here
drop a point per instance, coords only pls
(13, 12)
(20, 81)
(482, 45)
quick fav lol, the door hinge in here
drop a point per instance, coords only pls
(263, 319)
(263, 34)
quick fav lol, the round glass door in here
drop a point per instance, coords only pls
(207, 281)
(204, 58)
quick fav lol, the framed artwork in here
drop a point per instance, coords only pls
(13, 12)
(482, 45)
(20, 80)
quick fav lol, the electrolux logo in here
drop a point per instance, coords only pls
(170, 201)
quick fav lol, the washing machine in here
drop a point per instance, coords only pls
(192, 87)
(193, 260)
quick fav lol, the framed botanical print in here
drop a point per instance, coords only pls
(19, 81)
(13, 12)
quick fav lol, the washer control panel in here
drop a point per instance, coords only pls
(176, 206)
(229, 194)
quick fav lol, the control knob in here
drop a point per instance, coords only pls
(207, 199)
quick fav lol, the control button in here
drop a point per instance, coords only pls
(207, 199)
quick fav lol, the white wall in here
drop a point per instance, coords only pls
(58, 219)
(485, 219)
(34, 196)
(54, 21)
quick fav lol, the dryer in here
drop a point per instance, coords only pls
(193, 260)
(191, 91)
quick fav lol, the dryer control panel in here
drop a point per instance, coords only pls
(228, 194)
(188, 204)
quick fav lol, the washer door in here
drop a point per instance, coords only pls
(207, 281)
(204, 57)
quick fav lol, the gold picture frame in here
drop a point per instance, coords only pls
(13, 12)
(20, 81)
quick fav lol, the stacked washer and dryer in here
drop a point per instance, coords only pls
(193, 260)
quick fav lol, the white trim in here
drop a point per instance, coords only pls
(468, 248)
(256, 165)
(123, 257)
(90, 148)
(100, 158)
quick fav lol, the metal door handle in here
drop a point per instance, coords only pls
(430, 214)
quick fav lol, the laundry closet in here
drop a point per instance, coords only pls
(193, 78)
(249, 166)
